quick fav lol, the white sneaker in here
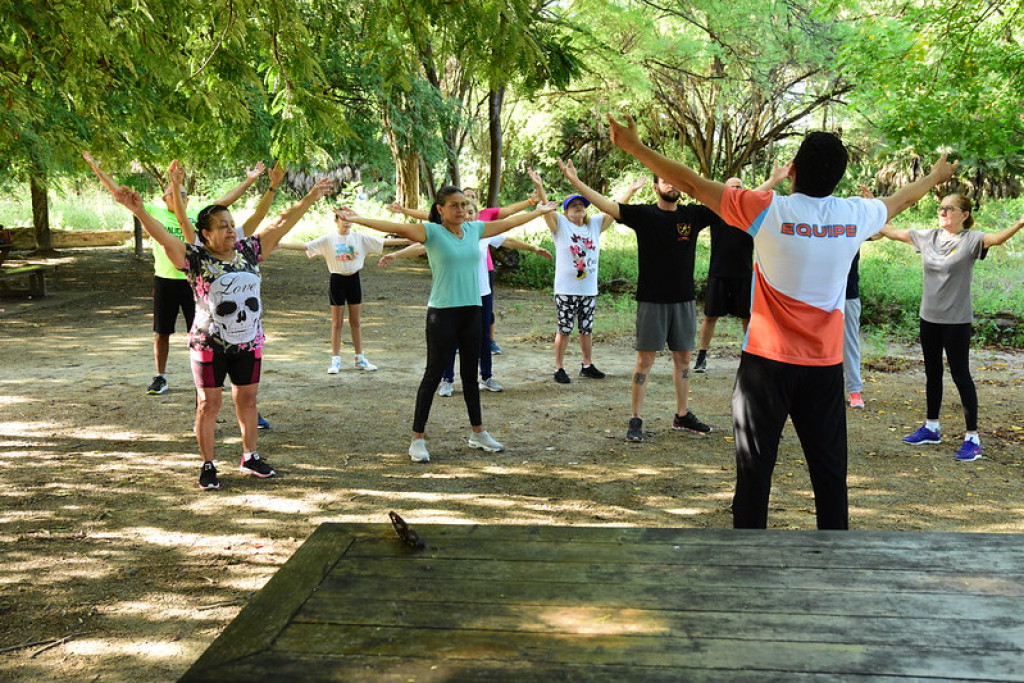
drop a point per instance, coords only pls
(491, 384)
(335, 367)
(418, 451)
(485, 441)
(363, 364)
(446, 388)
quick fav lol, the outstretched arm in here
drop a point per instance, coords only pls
(542, 198)
(276, 175)
(603, 204)
(513, 243)
(909, 194)
(680, 176)
(172, 246)
(890, 231)
(512, 209)
(250, 177)
(492, 228)
(994, 239)
(411, 251)
(624, 198)
(415, 232)
(415, 214)
(779, 173)
(176, 174)
(273, 233)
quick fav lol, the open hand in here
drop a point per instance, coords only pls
(386, 260)
(546, 207)
(176, 173)
(256, 171)
(568, 170)
(637, 184)
(276, 174)
(625, 137)
(321, 188)
(943, 169)
(395, 207)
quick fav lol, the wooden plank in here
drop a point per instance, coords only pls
(33, 273)
(670, 575)
(680, 652)
(897, 629)
(271, 608)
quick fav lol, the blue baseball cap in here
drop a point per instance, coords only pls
(565, 204)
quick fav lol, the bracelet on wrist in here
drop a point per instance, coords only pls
(532, 201)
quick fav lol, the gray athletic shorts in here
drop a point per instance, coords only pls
(657, 324)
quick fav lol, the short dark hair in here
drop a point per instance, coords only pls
(439, 200)
(820, 164)
(203, 219)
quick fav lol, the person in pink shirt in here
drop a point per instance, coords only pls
(792, 361)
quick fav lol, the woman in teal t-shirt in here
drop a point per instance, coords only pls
(453, 311)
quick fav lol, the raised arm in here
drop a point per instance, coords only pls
(513, 243)
(276, 176)
(624, 198)
(512, 209)
(172, 246)
(779, 173)
(415, 232)
(250, 177)
(273, 233)
(890, 231)
(415, 214)
(994, 239)
(680, 176)
(176, 175)
(542, 198)
(492, 228)
(603, 204)
(909, 194)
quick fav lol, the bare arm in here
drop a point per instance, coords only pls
(512, 209)
(779, 173)
(172, 246)
(994, 239)
(276, 175)
(176, 173)
(603, 204)
(909, 194)
(415, 214)
(271, 235)
(291, 246)
(414, 232)
(250, 177)
(492, 228)
(542, 198)
(624, 198)
(513, 243)
(680, 176)
(890, 231)
(411, 251)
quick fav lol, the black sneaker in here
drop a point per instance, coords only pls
(158, 386)
(591, 371)
(256, 465)
(690, 422)
(635, 432)
(561, 377)
(701, 365)
(208, 477)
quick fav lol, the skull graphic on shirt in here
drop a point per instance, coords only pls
(235, 307)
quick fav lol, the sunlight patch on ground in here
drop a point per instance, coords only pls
(273, 504)
(111, 647)
(6, 400)
(591, 621)
(35, 429)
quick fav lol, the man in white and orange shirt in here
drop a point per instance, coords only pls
(792, 362)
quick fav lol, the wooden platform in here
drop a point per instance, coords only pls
(33, 275)
(539, 603)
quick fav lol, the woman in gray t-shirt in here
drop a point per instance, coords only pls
(948, 255)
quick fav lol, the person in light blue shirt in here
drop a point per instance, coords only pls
(453, 311)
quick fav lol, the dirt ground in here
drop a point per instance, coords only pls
(115, 566)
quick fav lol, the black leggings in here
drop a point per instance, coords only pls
(449, 329)
(955, 340)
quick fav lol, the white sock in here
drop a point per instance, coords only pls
(336, 358)
(932, 425)
(972, 437)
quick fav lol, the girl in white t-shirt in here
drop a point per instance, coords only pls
(345, 253)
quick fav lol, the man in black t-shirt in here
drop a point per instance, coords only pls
(666, 235)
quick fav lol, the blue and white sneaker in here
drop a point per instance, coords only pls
(261, 423)
(495, 349)
(969, 451)
(922, 436)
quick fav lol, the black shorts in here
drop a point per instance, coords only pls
(170, 296)
(346, 289)
(727, 296)
(209, 368)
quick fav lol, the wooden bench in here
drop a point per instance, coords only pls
(34, 275)
(540, 603)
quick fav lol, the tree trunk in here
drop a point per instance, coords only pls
(140, 246)
(41, 213)
(494, 101)
(407, 169)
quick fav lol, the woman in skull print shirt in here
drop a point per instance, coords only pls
(226, 339)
